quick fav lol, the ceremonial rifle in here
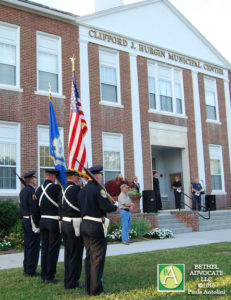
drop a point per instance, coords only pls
(92, 176)
(21, 179)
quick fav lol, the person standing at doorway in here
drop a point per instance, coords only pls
(196, 190)
(156, 188)
(177, 188)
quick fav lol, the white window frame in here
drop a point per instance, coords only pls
(114, 64)
(117, 147)
(215, 152)
(13, 136)
(16, 43)
(59, 54)
(153, 72)
(44, 140)
(210, 85)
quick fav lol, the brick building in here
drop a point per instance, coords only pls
(155, 93)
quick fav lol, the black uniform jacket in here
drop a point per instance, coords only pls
(93, 201)
(156, 186)
(46, 207)
(71, 193)
(26, 200)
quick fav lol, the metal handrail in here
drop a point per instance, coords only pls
(208, 210)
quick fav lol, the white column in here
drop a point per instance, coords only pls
(198, 127)
(85, 96)
(228, 114)
(136, 124)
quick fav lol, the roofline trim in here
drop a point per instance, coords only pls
(43, 11)
(82, 20)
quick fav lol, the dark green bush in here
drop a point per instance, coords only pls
(17, 228)
(113, 227)
(9, 215)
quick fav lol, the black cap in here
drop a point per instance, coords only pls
(29, 174)
(71, 172)
(52, 171)
(96, 170)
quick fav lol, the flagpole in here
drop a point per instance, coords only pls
(73, 58)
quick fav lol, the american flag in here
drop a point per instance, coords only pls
(77, 130)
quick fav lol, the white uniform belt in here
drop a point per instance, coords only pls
(67, 219)
(50, 217)
(93, 219)
(26, 217)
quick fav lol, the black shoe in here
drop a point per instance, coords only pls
(51, 280)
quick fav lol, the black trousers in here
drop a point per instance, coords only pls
(177, 199)
(73, 255)
(158, 201)
(196, 202)
(31, 247)
(96, 247)
(51, 240)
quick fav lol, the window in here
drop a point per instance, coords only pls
(216, 168)
(152, 94)
(9, 55)
(165, 89)
(112, 155)
(211, 99)
(109, 76)
(44, 159)
(49, 70)
(9, 157)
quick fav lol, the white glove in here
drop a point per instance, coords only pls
(116, 204)
(36, 230)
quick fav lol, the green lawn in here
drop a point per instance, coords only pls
(129, 276)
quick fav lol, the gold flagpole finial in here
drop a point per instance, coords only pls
(73, 58)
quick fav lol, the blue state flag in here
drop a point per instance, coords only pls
(56, 147)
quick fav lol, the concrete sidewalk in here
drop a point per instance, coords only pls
(9, 261)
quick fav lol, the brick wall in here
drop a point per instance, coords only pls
(151, 218)
(189, 110)
(216, 134)
(25, 107)
(188, 218)
(105, 118)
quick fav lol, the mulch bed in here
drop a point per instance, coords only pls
(12, 251)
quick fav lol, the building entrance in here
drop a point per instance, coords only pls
(168, 162)
(170, 157)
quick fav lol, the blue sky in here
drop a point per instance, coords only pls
(211, 17)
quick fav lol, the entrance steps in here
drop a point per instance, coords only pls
(167, 221)
(219, 219)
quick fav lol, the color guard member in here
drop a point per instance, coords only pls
(46, 216)
(70, 229)
(94, 205)
(31, 239)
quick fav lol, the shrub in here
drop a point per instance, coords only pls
(17, 228)
(113, 227)
(117, 235)
(15, 240)
(141, 226)
(5, 245)
(133, 192)
(9, 214)
(159, 234)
